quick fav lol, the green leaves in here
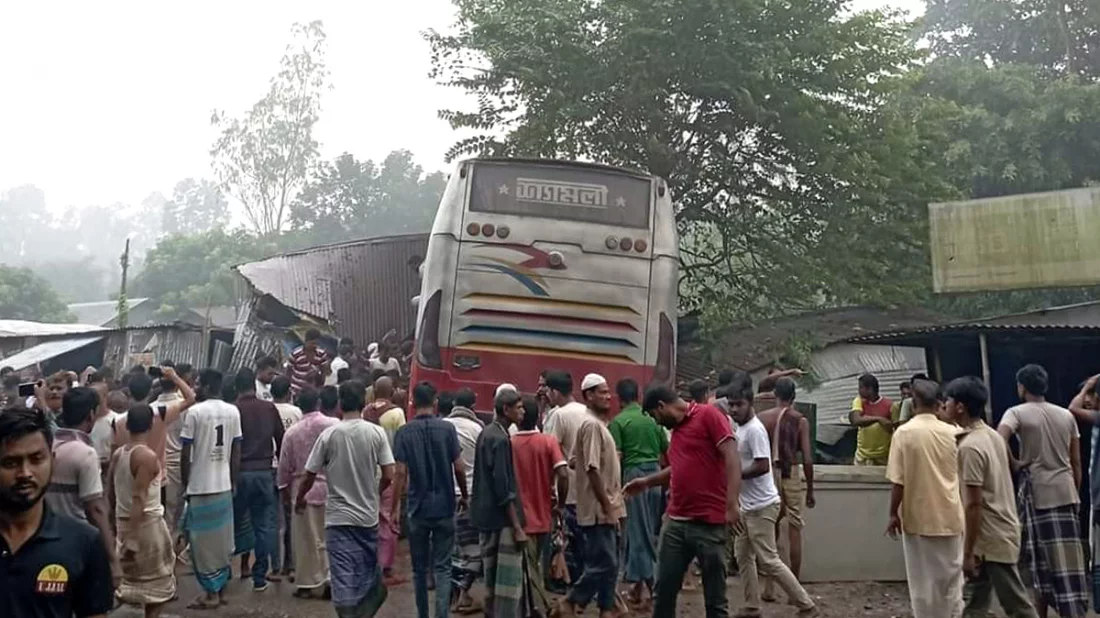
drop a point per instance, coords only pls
(25, 296)
(769, 120)
(347, 199)
(196, 271)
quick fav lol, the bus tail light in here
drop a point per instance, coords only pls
(640, 245)
(666, 344)
(611, 242)
(473, 229)
(626, 243)
(427, 340)
(487, 229)
(503, 231)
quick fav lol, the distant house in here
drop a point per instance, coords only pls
(105, 313)
(834, 363)
(143, 312)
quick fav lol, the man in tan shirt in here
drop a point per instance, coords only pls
(991, 545)
(599, 503)
(1050, 464)
(925, 506)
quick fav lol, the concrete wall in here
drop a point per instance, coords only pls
(844, 536)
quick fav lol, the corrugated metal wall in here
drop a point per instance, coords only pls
(363, 289)
(253, 339)
(163, 343)
(837, 367)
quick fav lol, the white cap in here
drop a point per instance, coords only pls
(506, 387)
(592, 380)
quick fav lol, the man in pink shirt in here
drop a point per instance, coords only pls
(307, 527)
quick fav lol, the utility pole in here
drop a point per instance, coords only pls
(123, 306)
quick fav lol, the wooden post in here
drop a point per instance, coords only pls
(124, 306)
(984, 345)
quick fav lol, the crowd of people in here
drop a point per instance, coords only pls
(968, 531)
(311, 469)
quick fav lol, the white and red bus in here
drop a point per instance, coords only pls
(535, 265)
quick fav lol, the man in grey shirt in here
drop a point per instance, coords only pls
(350, 454)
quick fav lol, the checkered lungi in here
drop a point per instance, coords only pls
(1051, 553)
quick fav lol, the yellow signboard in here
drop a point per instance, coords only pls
(1036, 240)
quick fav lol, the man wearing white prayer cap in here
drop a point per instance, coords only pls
(513, 429)
(591, 381)
(600, 507)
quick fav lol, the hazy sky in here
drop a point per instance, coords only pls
(109, 101)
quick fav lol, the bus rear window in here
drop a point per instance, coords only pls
(561, 192)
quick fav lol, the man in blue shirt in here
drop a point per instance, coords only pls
(429, 459)
(52, 566)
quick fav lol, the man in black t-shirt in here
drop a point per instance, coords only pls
(52, 566)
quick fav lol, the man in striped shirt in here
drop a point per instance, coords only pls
(309, 358)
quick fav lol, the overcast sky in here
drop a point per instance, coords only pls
(109, 101)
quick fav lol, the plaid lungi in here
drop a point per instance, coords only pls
(353, 564)
(506, 575)
(1051, 553)
(466, 560)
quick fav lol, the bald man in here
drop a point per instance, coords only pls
(391, 417)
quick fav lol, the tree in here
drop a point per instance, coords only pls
(196, 206)
(1011, 128)
(795, 178)
(1011, 105)
(1063, 35)
(182, 272)
(348, 199)
(262, 158)
(25, 296)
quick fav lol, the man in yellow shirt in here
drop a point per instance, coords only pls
(925, 506)
(871, 413)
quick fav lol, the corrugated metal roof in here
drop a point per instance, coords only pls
(750, 347)
(26, 328)
(963, 328)
(100, 312)
(45, 351)
(361, 288)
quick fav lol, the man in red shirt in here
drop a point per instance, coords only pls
(308, 359)
(704, 480)
(538, 461)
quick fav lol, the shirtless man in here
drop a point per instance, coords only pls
(790, 443)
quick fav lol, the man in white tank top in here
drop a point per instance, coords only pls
(146, 555)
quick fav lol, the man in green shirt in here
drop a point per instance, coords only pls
(641, 444)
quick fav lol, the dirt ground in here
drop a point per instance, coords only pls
(836, 600)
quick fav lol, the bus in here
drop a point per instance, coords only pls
(537, 265)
